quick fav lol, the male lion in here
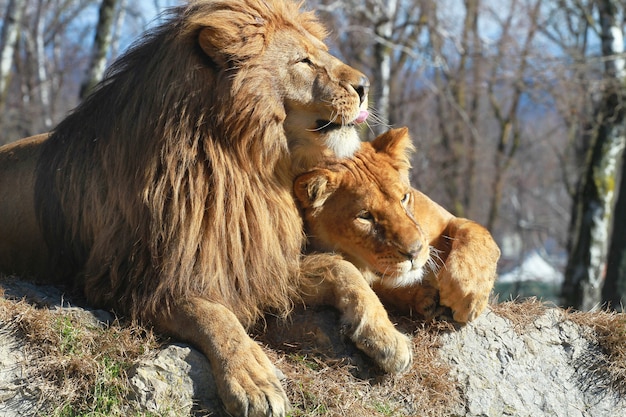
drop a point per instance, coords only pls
(408, 247)
(167, 194)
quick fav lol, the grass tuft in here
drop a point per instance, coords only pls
(80, 364)
(609, 331)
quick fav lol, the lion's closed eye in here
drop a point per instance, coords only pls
(306, 60)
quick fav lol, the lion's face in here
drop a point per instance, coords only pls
(319, 98)
(324, 98)
(361, 208)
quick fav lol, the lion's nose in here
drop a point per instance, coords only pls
(361, 88)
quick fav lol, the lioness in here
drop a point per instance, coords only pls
(410, 249)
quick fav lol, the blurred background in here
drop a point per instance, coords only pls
(516, 108)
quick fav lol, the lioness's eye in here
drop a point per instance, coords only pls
(365, 215)
(405, 198)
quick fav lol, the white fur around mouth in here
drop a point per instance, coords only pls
(414, 276)
(343, 140)
(405, 277)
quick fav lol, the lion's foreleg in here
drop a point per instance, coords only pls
(245, 377)
(466, 279)
(328, 279)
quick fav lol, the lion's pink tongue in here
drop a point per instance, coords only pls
(362, 116)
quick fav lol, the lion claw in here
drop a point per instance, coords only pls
(252, 388)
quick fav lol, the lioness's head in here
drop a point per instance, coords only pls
(274, 50)
(362, 208)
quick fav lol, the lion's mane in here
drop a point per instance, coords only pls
(173, 178)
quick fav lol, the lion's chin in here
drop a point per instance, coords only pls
(343, 141)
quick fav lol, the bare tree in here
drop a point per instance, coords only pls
(614, 289)
(479, 95)
(505, 109)
(457, 103)
(592, 211)
(47, 66)
(101, 46)
(8, 42)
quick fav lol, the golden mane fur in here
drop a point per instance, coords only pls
(174, 189)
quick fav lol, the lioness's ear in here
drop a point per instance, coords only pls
(313, 188)
(398, 145)
(395, 142)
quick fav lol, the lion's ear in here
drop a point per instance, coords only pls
(398, 145)
(232, 37)
(209, 40)
(313, 188)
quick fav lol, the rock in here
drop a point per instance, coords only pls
(15, 398)
(178, 379)
(540, 370)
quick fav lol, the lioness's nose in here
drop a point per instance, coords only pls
(412, 252)
(361, 88)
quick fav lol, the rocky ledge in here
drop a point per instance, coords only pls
(517, 359)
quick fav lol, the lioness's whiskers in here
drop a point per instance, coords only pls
(435, 263)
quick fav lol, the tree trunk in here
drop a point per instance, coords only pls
(101, 44)
(614, 290)
(593, 208)
(8, 42)
(41, 71)
(382, 51)
(117, 27)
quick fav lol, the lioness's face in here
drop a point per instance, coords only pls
(372, 224)
(363, 208)
(324, 98)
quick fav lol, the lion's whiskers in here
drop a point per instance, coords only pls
(375, 119)
(333, 116)
(317, 129)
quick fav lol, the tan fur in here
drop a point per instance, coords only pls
(167, 194)
(365, 209)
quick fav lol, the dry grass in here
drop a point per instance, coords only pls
(609, 330)
(81, 366)
(323, 380)
(77, 364)
(520, 313)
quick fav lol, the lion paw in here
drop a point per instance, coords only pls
(466, 300)
(468, 308)
(249, 385)
(390, 349)
(466, 280)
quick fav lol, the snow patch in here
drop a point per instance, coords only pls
(533, 268)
